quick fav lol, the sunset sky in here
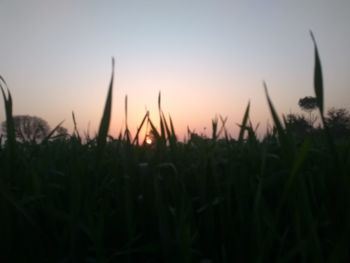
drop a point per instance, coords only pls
(207, 57)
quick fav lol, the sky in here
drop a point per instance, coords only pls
(207, 57)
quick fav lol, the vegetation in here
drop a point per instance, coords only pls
(204, 200)
(28, 128)
(309, 104)
(338, 120)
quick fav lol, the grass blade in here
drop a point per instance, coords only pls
(76, 132)
(154, 131)
(173, 134)
(10, 126)
(244, 123)
(52, 132)
(106, 117)
(139, 128)
(214, 127)
(318, 79)
(127, 135)
(285, 141)
(126, 132)
(223, 127)
(162, 128)
(166, 126)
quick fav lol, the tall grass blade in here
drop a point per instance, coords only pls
(48, 137)
(135, 141)
(126, 111)
(154, 130)
(127, 135)
(76, 132)
(244, 123)
(274, 115)
(223, 127)
(318, 80)
(214, 128)
(252, 133)
(338, 183)
(172, 129)
(166, 126)
(318, 87)
(162, 128)
(10, 126)
(285, 141)
(3, 80)
(106, 117)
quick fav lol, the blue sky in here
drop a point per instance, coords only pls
(206, 57)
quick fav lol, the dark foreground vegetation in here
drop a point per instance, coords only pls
(285, 198)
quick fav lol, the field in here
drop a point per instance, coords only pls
(213, 199)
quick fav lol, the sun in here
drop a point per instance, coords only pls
(148, 140)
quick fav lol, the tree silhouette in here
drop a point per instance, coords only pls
(61, 133)
(308, 104)
(338, 120)
(28, 128)
(298, 125)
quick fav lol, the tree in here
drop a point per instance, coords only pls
(28, 128)
(61, 133)
(338, 121)
(298, 125)
(308, 104)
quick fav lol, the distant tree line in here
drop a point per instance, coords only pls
(32, 129)
(337, 120)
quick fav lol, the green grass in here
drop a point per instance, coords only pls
(204, 200)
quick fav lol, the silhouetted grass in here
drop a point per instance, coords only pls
(203, 200)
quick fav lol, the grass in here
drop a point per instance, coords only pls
(203, 200)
